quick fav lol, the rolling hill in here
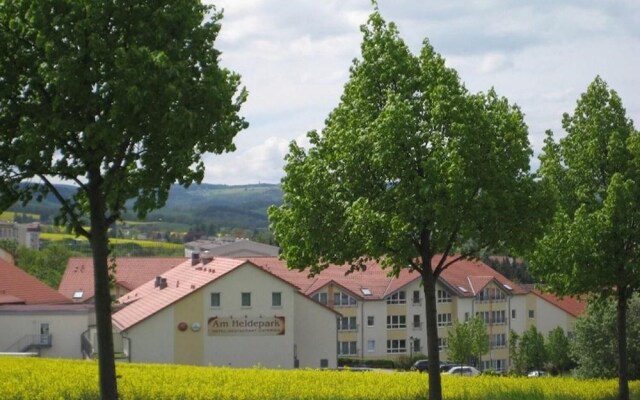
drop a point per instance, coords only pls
(226, 206)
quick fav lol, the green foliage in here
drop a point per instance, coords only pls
(557, 350)
(10, 246)
(410, 168)
(518, 366)
(48, 264)
(532, 349)
(594, 174)
(592, 245)
(468, 340)
(121, 98)
(372, 363)
(594, 345)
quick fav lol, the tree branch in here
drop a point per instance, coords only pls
(75, 219)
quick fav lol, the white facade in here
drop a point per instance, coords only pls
(52, 331)
(395, 327)
(27, 235)
(185, 332)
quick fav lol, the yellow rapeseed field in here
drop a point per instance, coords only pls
(35, 378)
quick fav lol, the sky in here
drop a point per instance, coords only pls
(294, 58)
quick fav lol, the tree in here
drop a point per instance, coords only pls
(120, 98)
(518, 366)
(467, 340)
(532, 349)
(593, 174)
(411, 170)
(557, 350)
(459, 343)
(595, 342)
(47, 265)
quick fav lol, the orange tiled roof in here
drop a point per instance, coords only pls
(182, 280)
(131, 272)
(570, 305)
(465, 277)
(18, 287)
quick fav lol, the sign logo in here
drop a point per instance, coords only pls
(248, 326)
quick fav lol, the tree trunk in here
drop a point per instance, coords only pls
(100, 250)
(623, 374)
(433, 353)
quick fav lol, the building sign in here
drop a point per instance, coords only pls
(247, 326)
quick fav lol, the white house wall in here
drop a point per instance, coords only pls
(152, 340)
(315, 334)
(247, 351)
(65, 330)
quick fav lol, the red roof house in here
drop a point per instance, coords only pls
(18, 287)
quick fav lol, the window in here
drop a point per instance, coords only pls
(347, 324)
(348, 348)
(443, 296)
(396, 321)
(78, 294)
(396, 346)
(215, 299)
(416, 297)
(276, 299)
(513, 314)
(485, 316)
(498, 340)
(371, 346)
(370, 320)
(324, 363)
(490, 294)
(343, 300)
(320, 298)
(397, 298)
(416, 345)
(417, 324)
(444, 319)
(532, 314)
(498, 317)
(246, 299)
(442, 344)
(466, 316)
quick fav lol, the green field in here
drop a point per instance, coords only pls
(10, 215)
(54, 237)
(40, 379)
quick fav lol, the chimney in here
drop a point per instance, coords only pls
(195, 258)
(207, 257)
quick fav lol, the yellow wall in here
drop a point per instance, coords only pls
(188, 345)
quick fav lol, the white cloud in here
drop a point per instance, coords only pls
(294, 59)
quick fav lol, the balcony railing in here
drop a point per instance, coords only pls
(28, 342)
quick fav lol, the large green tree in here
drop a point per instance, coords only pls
(409, 169)
(121, 98)
(593, 244)
(594, 347)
